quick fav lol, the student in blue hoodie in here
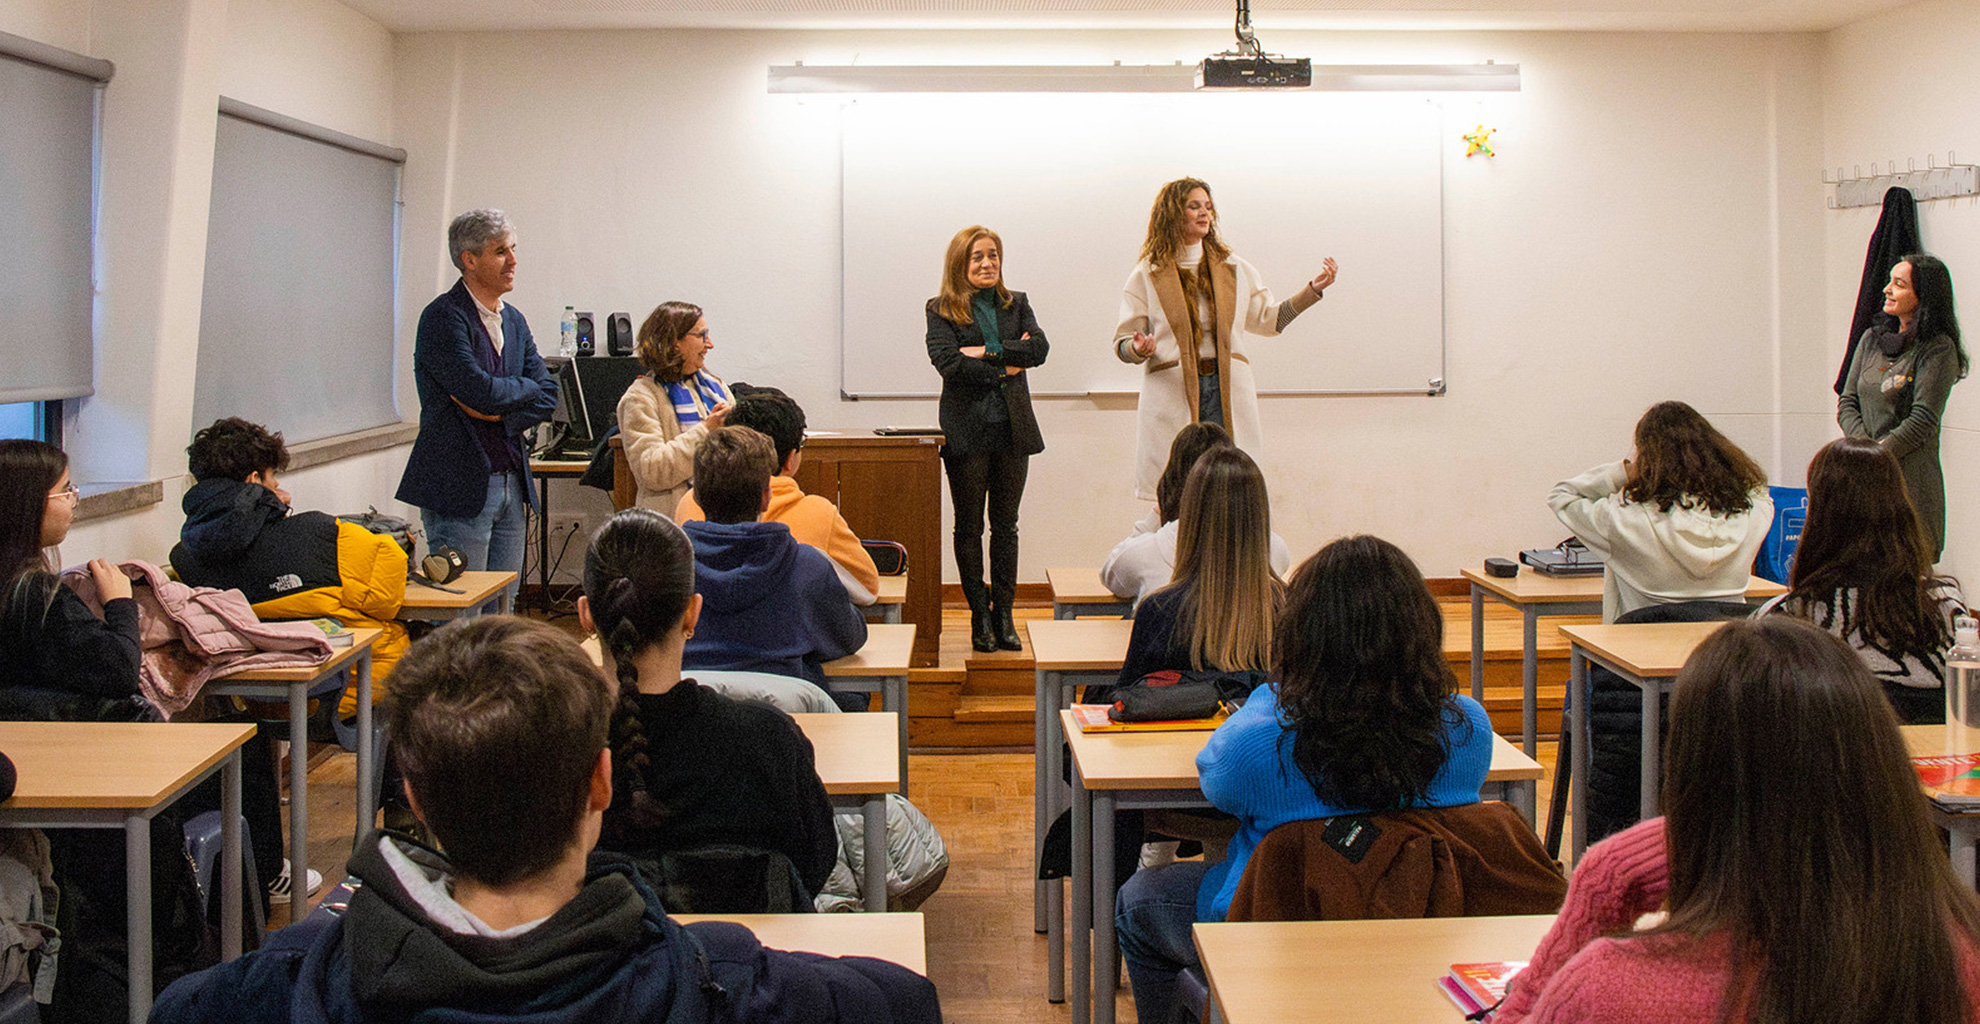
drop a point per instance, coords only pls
(770, 604)
(501, 723)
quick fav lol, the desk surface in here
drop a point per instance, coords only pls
(855, 752)
(123, 765)
(888, 651)
(477, 588)
(1649, 650)
(1532, 587)
(895, 937)
(1079, 645)
(1371, 970)
(1167, 760)
(362, 637)
(893, 590)
(559, 467)
(1079, 586)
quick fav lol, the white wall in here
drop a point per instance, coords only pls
(1891, 90)
(312, 59)
(1640, 236)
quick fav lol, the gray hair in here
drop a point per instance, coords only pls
(473, 230)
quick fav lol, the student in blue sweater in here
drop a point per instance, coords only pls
(1364, 717)
(770, 604)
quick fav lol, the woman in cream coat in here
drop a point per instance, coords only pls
(668, 410)
(1184, 297)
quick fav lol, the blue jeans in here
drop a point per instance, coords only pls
(1210, 401)
(1152, 919)
(493, 539)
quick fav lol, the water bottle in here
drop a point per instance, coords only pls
(567, 343)
(1963, 674)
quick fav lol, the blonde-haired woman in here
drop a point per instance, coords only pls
(982, 337)
(1180, 321)
(1217, 613)
(667, 411)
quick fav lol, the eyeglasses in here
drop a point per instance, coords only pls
(71, 492)
(703, 334)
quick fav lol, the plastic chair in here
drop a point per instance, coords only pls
(203, 845)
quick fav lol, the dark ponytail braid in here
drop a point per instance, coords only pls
(638, 579)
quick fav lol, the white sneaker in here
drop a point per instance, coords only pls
(278, 890)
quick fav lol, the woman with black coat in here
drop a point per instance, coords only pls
(982, 337)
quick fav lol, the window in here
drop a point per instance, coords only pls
(38, 421)
(298, 320)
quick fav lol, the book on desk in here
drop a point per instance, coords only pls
(1478, 988)
(1096, 718)
(1952, 781)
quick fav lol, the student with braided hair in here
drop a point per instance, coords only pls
(691, 767)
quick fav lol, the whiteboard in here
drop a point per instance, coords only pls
(1068, 179)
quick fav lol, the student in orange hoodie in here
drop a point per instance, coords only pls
(813, 519)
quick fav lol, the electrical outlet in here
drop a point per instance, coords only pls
(563, 525)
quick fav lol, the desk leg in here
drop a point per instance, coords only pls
(1647, 774)
(543, 541)
(137, 913)
(1082, 899)
(1529, 676)
(299, 798)
(1578, 732)
(874, 832)
(1041, 685)
(367, 770)
(1962, 854)
(230, 855)
(505, 603)
(1477, 643)
(1106, 959)
(893, 697)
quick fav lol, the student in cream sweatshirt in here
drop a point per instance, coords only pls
(1678, 521)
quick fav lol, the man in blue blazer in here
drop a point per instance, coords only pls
(481, 385)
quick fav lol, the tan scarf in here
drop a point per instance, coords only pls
(1179, 307)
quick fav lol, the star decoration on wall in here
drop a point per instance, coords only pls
(1479, 140)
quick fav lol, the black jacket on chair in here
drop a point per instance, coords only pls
(968, 384)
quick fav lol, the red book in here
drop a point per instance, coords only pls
(1479, 987)
(1952, 781)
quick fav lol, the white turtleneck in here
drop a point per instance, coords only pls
(1187, 261)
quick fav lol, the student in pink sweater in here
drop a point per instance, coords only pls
(1796, 877)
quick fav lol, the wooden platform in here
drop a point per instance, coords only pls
(985, 700)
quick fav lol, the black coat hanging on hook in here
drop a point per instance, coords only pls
(1895, 238)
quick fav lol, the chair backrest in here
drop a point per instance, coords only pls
(785, 693)
(726, 880)
(889, 557)
(1476, 860)
(1686, 611)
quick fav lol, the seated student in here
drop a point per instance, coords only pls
(1863, 571)
(1363, 717)
(771, 604)
(1218, 612)
(239, 535)
(1678, 521)
(1146, 560)
(502, 723)
(1795, 876)
(813, 519)
(692, 768)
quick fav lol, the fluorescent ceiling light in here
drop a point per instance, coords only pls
(802, 78)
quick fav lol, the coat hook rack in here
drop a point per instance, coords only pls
(1952, 181)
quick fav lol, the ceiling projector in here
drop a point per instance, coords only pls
(1231, 72)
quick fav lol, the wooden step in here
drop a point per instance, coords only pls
(994, 708)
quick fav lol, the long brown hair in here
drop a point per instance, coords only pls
(660, 339)
(1863, 534)
(953, 304)
(1165, 230)
(1224, 565)
(1362, 675)
(1796, 829)
(1682, 460)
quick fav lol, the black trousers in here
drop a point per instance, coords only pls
(992, 481)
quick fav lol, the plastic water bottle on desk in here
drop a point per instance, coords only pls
(1963, 686)
(567, 342)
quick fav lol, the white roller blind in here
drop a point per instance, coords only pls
(48, 118)
(297, 321)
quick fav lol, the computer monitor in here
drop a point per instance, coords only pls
(588, 393)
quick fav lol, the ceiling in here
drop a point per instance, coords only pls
(1613, 15)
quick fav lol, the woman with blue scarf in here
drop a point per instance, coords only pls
(667, 411)
(981, 338)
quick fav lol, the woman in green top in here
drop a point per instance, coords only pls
(1895, 393)
(982, 337)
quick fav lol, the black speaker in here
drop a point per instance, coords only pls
(619, 334)
(587, 335)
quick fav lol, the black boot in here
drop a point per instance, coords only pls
(982, 637)
(1002, 595)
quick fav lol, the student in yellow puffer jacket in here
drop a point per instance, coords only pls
(240, 535)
